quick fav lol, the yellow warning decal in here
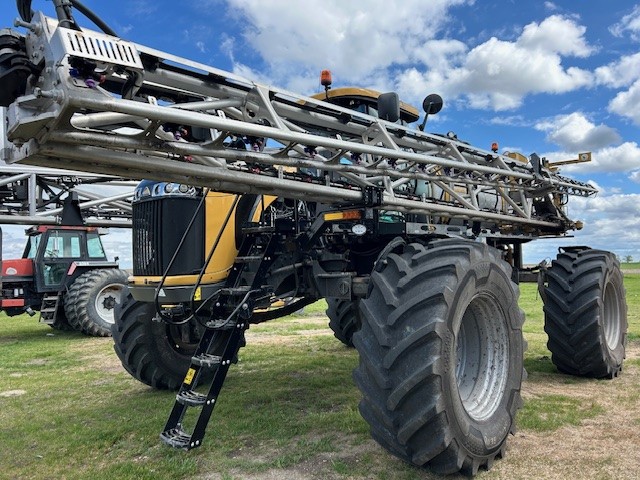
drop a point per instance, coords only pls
(197, 295)
(189, 376)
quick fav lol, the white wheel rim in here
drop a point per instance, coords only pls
(106, 301)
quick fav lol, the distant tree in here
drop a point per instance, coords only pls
(628, 259)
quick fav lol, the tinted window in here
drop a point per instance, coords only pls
(63, 245)
(94, 246)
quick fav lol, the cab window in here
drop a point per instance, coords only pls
(63, 245)
(94, 246)
(32, 247)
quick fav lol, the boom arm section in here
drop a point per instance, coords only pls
(103, 105)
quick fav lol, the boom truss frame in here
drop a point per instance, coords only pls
(314, 150)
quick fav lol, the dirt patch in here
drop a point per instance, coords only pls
(12, 393)
(321, 466)
(606, 446)
(36, 362)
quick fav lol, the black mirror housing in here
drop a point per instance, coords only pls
(389, 106)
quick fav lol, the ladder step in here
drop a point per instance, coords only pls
(191, 398)
(259, 229)
(248, 259)
(235, 290)
(206, 360)
(176, 438)
(219, 325)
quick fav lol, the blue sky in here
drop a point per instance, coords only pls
(555, 78)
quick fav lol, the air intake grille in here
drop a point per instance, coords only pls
(98, 47)
(158, 226)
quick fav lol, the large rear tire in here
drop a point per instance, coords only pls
(91, 300)
(344, 319)
(586, 313)
(153, 352)
(441, 355)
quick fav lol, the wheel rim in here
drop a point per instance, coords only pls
(184, 338)
(106, 302)
(611, 316)
(482, 357)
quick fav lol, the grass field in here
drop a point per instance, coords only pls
(288, 410)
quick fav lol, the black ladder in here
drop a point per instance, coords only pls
(49, 307)
(234, 304)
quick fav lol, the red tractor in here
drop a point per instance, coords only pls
(65, 274)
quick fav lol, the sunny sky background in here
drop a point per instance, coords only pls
(555, 78)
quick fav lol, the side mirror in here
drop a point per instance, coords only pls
(389, 106)
(431, 105)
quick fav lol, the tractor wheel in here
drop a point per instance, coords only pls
(586, 313)
(92, 298)
(344, 319)
(441, 355)
(154, 352)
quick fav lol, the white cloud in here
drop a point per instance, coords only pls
(575, 132)
(405, 48)
(612, 223)
(556, 34)
(626, 103)
(624, 72)
(621, 73)
(141, 7)
(635, 176)
(511, 121)
(498, 74)
(629, 24)
(351, 38)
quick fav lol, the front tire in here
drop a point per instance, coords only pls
(441, 355)
(586, 313)
(91, 300)
(153, 352)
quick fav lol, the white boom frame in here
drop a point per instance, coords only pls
(61, 122)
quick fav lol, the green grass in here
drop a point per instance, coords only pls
(550, 412)
(289, 403)
(630, 265)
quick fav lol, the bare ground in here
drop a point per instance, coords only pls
(604, 447)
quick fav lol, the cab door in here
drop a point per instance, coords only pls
(58, 249)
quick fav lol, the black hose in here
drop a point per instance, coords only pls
(63, 12)
(24, 10)
(87, 12)
(64, 15)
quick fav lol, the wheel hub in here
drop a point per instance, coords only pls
(482, 357)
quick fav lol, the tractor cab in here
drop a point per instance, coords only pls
(367, 101)
(56, 251)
